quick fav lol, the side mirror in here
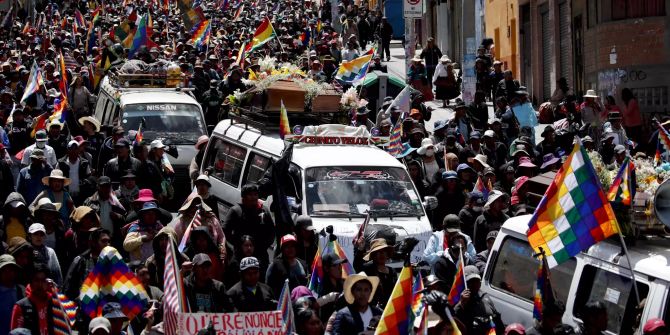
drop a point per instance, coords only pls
(429, 202)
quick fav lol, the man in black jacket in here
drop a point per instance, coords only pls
(122, 163)
(205, 294)
(147, 171)
(474, 310)
(250, 295)
(82, 264)
(80, 187)
(252, 218)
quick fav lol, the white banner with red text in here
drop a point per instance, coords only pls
(254, 323)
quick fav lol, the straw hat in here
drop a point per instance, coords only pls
(377, 245)
(355, 278)
(56, 174)
(90, 119)
(189, 202)
(445, 59)
(417, 57)
(591, 94)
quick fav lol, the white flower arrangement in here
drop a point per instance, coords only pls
(349, 99)
(267, 64)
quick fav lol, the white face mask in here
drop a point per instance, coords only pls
(430, 152)
(478, 208)
(40, 144)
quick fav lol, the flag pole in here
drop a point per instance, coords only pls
(465, 282)
(630, 265)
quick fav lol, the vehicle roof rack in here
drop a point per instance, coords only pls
(146, 81)
(268, 122)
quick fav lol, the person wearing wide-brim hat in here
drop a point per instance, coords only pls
(417, 76)
(615, 126)
(208, 219)
(492, 218)
(592, 110)
(376, 258)
(9, 270)
(359, 290)
(138, 241)
(128, 189)
(56, 192)
(79, 96)
(202, 185)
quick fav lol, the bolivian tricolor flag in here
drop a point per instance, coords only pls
(264, 33)
(622, 190)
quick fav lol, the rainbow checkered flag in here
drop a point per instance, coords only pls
(574, 213)
(398, 317)
(110, 280)
(284, 305)
(418, 306)
(459, 285)
(316, 279)
(623, 188)
(543, 292)
(334, 247)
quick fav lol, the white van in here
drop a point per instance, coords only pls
(168, 113)
(602, 273)
(338, 182)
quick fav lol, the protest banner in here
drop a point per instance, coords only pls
(254, 323)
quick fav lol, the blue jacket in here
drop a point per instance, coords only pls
(348, 321)
(30, 182)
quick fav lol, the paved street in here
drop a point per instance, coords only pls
(397, 67)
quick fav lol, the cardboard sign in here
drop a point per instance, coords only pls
(255, 323)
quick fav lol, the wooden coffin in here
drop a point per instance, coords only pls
(291, 93)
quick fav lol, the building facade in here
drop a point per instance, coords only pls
(606, 45)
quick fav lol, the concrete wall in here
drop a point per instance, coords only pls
(502, 24)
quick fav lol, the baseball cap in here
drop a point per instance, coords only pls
(515, 328)
(489, 133)
(477, 197)
(7, 259)
(122, 142)
(331, 259)
(112, 310)
(305, 222)
(41, 135)
(652, 325)
(104, 180)
(73, 145)
(288, 238)
(37, 153)
(156, 144)
(492, 235)
(471, 272)
(452, 223)
(446, 175)
(35, 227)
(99, 323)
(249, 263)
(201, 259)
(619, 149)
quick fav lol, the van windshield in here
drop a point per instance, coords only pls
(353, 190)
(182, 123)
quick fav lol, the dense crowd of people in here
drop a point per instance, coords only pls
(70, 188)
